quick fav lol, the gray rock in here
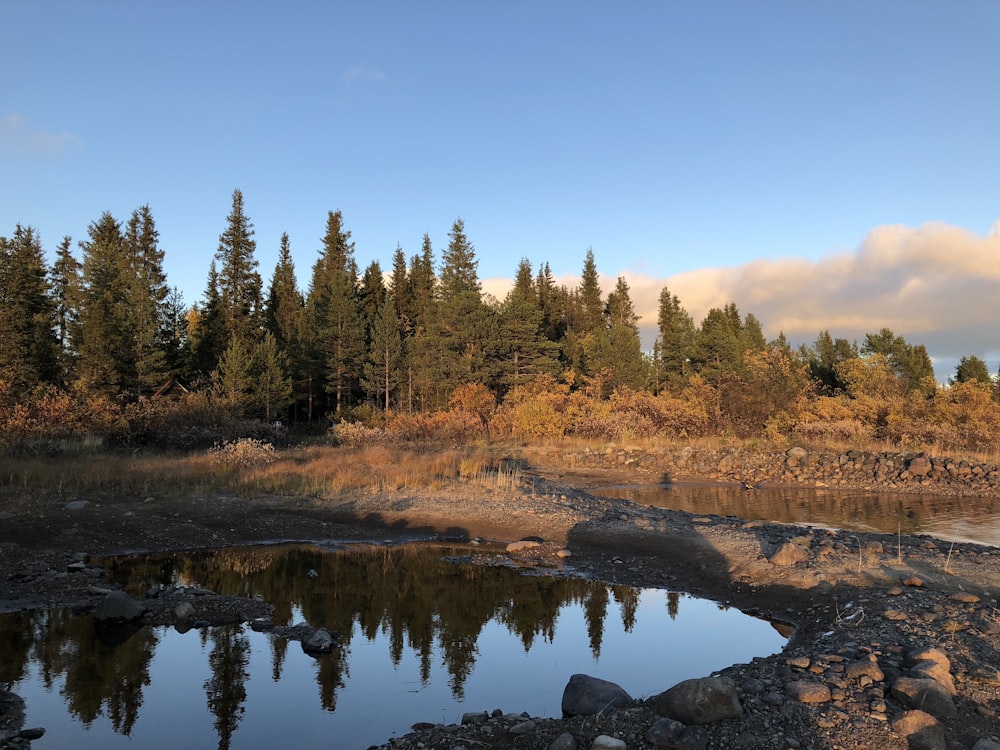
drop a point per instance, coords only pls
(524, 727)
(604, 742)
(985, 744)
(700, 701)
(77, 505)
(564, 741)
(118, 607)
(926, 695)
(921, 730)
(674, 735)
(184, 611)
(789, 553)
(585, 696)
(320, 641)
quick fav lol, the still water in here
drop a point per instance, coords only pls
(961, 519)
(423, 639)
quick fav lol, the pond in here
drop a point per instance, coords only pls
(423, 639)
(960, 519)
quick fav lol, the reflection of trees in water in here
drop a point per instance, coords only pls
(225, 690)
(409, 595)
(104, 670)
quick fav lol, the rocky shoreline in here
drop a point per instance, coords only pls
(895, 640)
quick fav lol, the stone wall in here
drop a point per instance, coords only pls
(886, 471)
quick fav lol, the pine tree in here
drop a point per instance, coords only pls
(343, 339)
(463, 324)
(28, 346)
(381, 374)
(589, 315)
(272, 387)
(336, 257)
(107, 340)
(206, 328)
(615, 347)
(234, 378)
(285, 317)
(239, 284)
(147, 301)
(425, 390)
(66, 289)
(371, 293)
(676, 337)
(971, 370)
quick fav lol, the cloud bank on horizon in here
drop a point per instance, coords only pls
(937, 285)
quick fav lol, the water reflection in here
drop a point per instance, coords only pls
(422, 640)
(973, 519)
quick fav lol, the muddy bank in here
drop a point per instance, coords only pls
(852, 599)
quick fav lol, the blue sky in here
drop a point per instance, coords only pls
(774, 154)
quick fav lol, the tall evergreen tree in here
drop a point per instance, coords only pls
(371, 293)
(28, 346)
(206, 328)
(240, 286)
(147, 301)
(676, 337)
(343, 339)
(615, 347)
(66, 285)
(590, 302)
(335, 258)
(107, 342)
(381, 373)
(425, 390)
(272, 386)
(463, 324)
(972, 370)
(285, 305)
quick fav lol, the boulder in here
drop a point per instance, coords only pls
(118, 607)
(674, 735)
(921, 730)
(789, 553)
(320, 641)
(925, 694)
(700, 701)
(585, 696)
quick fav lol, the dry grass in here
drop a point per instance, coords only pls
(320, 471)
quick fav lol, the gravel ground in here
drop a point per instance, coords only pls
(847, 599)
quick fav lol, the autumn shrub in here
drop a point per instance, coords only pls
(543, 408)
(245, 453)
(473, 398)
(443, 426)
(358, 434)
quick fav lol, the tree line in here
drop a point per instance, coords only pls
(365, 342)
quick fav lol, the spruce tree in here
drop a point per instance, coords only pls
(29, 350)
(335, 258)
(462, 325)
(343, 339)
(239, 283)
(66, 287)
(107, 351)
(676, 337)
(272, 386)
(589, 314)
(381, 373)
(285, 317)
(206, 328)
(147, 301)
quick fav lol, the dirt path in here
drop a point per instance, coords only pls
(850, 597)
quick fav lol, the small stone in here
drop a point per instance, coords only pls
(184, 611)
(894, 614)
(524, 727)
(604, 742)
(799, 662)
(965, 597)
(32, 734)
(806, 691)
(913, 582)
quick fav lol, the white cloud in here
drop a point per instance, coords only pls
(936, 285)
(359, 74)
(18, 136)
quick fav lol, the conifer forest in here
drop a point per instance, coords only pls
(97, 345)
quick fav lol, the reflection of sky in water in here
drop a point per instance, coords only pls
(380, 700)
